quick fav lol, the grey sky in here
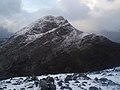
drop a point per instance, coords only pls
(4, 33)
(87, 15)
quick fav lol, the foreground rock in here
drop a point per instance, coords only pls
(47, 84)
(104, 80)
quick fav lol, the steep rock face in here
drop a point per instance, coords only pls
(53, 45)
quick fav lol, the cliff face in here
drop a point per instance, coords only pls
(53, 45)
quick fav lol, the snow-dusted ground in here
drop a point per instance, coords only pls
(101, 80)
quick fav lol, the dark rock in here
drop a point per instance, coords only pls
(85, 77)
(50, 79)
(8, 81)
(107, 82)
(75, 76)
(68, 78)
(94, 88)
(1, 88)
(77, 81)
(30, 87)
(57, 78)
(110, 75)
(47, 84)
(52, 87)
(28, 79)
(103, 79)
(66, 87)
(16, 83)
(5, 87)
(44, 84)
(89, 83)
(22, 88)
(36, 83)
(82, 88)
(83, 84)
(66, 81)
(96, 79)
(21, 78)
(34, 78)
(60, 83)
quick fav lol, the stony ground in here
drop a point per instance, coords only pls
(101, 80)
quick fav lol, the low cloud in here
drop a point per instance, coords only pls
(86, 15)
(113, 35)
(103, 15)
(4, 33)
(10, 7)
(74, 10)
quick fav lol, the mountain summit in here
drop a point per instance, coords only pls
(52, 45)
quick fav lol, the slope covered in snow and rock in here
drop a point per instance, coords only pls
(108, 79)
(52, 45)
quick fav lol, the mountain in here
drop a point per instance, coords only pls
(52, 45)
(108, 79)
(2, 40)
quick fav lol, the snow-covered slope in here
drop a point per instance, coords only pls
(100, 80)
(50, 25)
(43, 26)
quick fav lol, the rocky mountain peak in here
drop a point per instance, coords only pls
(60, 20)
(52, 45)
(43, 25)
